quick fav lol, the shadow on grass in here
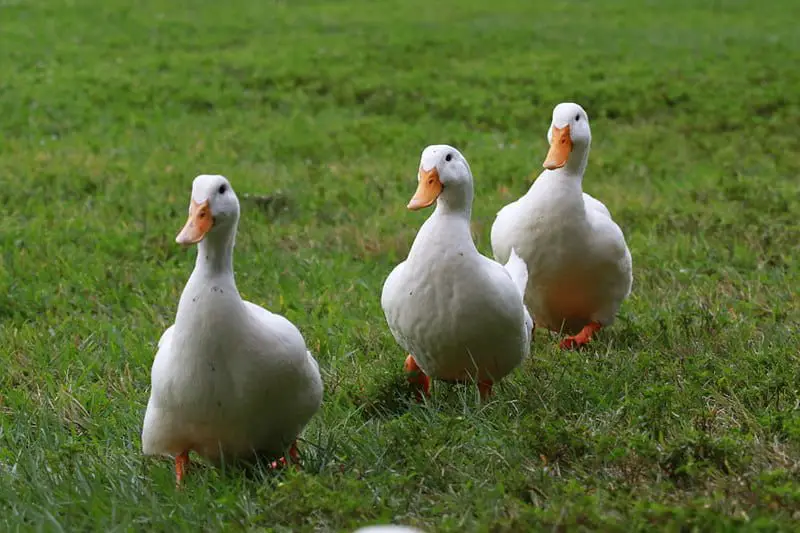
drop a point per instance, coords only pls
(388, 399)
(624, 335)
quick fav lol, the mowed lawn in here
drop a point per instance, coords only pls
(685, 414)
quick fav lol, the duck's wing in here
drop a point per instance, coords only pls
(501, 233)
(280, 341)
(277, 330)
(155, 430)
(518, 271)
(391, 287)
(613, 265)
(165, 337)
(595, 205)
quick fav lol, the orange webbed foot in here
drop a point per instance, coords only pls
(181, 466)
(294, 457)
(582, 338)
(417, 377)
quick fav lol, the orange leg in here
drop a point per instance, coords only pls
(294, 455)
(181, 465)
(417, 377)
(485, 388)
(582, 338)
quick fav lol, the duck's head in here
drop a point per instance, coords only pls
(213, 209)
(444, 172)
(569, 133)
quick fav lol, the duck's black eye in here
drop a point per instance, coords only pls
(448, 157)
(222, 188)
(577, 117)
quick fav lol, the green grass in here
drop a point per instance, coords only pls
(684, 415)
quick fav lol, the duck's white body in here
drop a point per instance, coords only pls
(457, 312)
(579, 265)
(230, 379)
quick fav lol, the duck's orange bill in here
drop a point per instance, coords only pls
(199, 223)
(560, 147)
(428, 190)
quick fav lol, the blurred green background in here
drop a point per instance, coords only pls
(682, 416)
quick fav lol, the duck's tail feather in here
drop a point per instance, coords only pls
(312, 360)
(518, 270)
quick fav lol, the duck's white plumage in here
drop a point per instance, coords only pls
(230, 379)
(458, 313)
(579, 265)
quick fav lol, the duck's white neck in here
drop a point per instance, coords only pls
(446, 227)
(455, 200)
(566, 181)
(560, 191)
(578, 159)
(215, 253)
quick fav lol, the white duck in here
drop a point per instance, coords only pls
(458, 313)
(230, 380)
(578, 262)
